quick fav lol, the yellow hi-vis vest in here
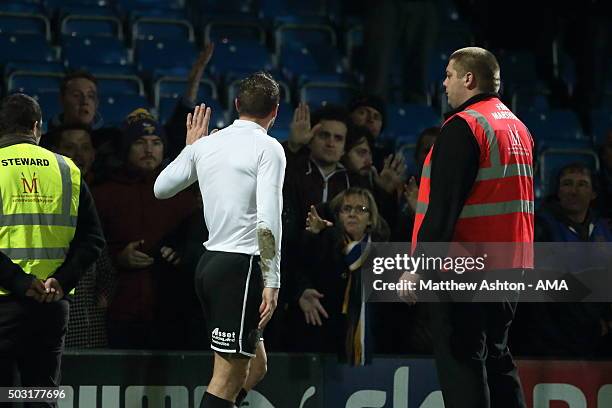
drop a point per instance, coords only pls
(39, 201)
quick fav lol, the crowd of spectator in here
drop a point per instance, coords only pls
(345, 185)
(342, 189)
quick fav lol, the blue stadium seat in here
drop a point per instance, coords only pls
(553, 124)
(153, 29)
(88, 51)
(57, 4)
(120, 85)
(567, 69)
(318, 94)
(297, 62)
(354, 45)
(408, 150)
(518, 68)
(165, 13)
(531, 98)
(21, 23)
(275, 8)
(435, 70)
(104, 26)
(114, 108)
(174, 87)
(310, 36)
(164, 57)
(601, 123)
(110, 69)
(52, 66)
(32, 82)
(553, 159)
(226, 6)
(240, 56)
(234, 31)
(282, 124)
(21, 7)
(131, 5)
(406, 121)
(49, 105)
(25, 47)
(218, 120)
(99, 9)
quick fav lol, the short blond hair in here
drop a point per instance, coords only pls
(336, 204)
(481, 63)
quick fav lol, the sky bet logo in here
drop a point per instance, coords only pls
(29, 186)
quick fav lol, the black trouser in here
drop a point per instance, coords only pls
(31, 343)
(475, 367)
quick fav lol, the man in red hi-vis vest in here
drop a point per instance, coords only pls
(477, 186)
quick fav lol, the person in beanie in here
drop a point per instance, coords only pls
(135, 224)
(370, 111)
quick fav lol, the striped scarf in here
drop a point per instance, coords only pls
(353, 306)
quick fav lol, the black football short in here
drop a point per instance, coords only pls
(229, 286)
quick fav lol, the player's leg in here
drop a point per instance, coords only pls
(229, 375)
(257, 371)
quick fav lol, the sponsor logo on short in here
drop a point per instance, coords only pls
(223, 338)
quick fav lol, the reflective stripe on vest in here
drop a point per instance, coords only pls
(37, 241)
(34, 253)
(495, 171)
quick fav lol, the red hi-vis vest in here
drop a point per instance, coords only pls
(500, 206)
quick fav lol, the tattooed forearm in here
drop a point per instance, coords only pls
(267, 248)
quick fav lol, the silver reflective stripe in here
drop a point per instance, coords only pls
(35, 253)
(421, 208)
(66, 184)
(63, 220)
(510, 170)
(497, 170)
(59, 220)
(491, 137)
(426, 171)
(506, 207)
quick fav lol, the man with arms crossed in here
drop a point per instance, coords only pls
(240, 170)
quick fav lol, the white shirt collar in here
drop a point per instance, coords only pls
(248, 124)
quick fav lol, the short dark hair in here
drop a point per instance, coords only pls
(481, 63)
(576, 167)
(356, 135)
(54, 137)
(330, 112)
(258, 95)
(430, 131)
(18, 113)
(81, 73)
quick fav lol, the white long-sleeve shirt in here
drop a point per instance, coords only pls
(240, 170)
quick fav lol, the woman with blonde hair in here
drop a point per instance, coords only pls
(330, 283)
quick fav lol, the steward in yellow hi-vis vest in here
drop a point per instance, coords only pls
(39, 201)
(49, 236)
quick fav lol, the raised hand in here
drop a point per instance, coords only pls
(197, 69)
(314, 222)
(301, 132)
(312, 307)
(390, 178)
(197, 124)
